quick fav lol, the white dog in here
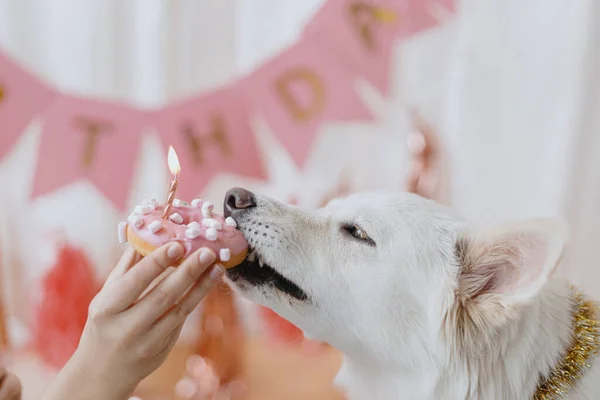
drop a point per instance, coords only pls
(422, 305)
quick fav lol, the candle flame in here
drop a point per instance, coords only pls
(173, 162)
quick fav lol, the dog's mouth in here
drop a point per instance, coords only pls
(257, 273)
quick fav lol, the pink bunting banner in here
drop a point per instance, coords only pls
(427, 14)
(212, 134)
(302, 88)
(363, 33)
(89, 139)
(307, 85)
(22, 97)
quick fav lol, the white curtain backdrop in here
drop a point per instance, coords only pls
(513, 88)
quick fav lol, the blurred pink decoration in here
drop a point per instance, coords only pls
(68, 289)
(363, 32)
(22, 97)
(89, 139)
(212, 134)
(300, 90)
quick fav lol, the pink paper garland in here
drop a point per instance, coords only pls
(298, 91)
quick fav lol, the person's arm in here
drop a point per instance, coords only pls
(126, 338)
(10, 386)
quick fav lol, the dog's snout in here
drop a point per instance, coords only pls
(238, 201)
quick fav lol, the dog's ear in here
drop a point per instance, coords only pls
(510, 265)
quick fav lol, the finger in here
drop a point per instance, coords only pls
(414, 175)
(416, 144)
(168, 292)
(236, 389)
(222, 394)
(196, 366)
(180, 311)
(126, 290)
(186, 388)
(198, 389)
(11, 388)
(129, 257)
(427, 186)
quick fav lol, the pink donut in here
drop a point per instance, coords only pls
(194, 225)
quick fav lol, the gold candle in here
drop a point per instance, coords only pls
(173, 162)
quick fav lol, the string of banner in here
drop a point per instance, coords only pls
(308, 84)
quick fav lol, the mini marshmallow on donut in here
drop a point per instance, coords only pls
(194, 225)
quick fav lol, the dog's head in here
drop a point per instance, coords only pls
(380, 269)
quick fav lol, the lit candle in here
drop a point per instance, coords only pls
(173, 162)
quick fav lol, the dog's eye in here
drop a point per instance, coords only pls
(358, 233)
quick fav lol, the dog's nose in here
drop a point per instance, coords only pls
(237, 202)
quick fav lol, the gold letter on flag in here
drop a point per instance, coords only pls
(299, 111)
(92, 129)
(196, 142)
(364, 16)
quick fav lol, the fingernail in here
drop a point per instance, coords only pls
(185, 389)
(207, 256)
(195, 365)
(175, 251)
(216, 272)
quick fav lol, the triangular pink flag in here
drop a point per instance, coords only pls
(425, 14)
(22, 97)
(211, 134)
(89, 139)
(363, 33)
(301, 89)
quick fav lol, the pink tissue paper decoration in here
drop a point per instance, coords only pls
(212, 134)
(301, 89)
(68, 289)
(89, 139)
(22, 97)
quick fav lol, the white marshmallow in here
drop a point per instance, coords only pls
(230, 222)
(212, 234)
(194, 224)
(196, 202)
(207, 222)
(153, 204)
(193, 232)
(212, 223)
(207, 208)
(122, 232)
(142, 210)
(225, 255)
(135, 220)
(177, 203)
(154, 226)
(175, 217)
(146, 202)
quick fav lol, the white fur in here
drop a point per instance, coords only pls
(435, 310)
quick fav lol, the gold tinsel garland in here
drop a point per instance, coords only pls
(576, 361)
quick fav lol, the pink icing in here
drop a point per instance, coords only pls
(228, 237)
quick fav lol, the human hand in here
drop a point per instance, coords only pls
(10, 386)
(425, 153)
(132, 325)
(202, 383)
